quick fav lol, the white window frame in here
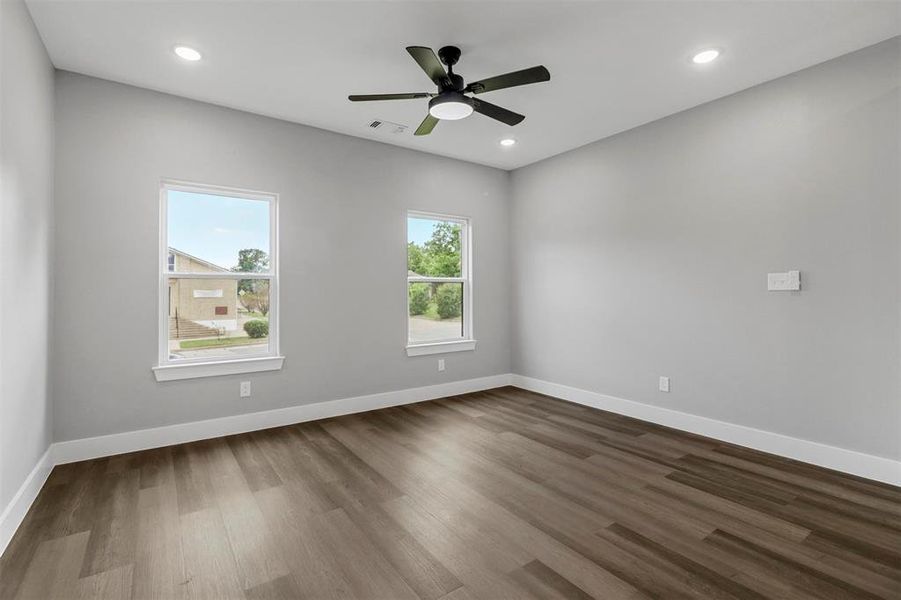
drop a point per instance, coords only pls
(467, 342)
(188, 368)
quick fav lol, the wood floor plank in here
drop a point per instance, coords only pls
(299, 534)
(257, 471)
(414, 563)
(210, 569)
(114, 531)
(159, 568)
(156, 467)
(543, 582)
(492, 495)
(253, 548)
(115, 584)
(54, 569)
(807, 577)
(283, 588)
(470, 565)
(192, 479)
(367, 571)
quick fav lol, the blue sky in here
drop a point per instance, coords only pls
(214, 228)
(419, 231)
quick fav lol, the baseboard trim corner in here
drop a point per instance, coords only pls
(852, 462)
(15, 511)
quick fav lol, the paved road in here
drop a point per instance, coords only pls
(426, 330)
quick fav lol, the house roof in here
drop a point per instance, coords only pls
(206, 263)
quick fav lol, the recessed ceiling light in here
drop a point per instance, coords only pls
(187, 53)
(705, 56)
(507, 142)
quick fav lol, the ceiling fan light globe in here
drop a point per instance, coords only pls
(450, 108)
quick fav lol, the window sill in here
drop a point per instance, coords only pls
(441, 348)
(213, 369)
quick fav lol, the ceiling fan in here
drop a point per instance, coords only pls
(451, 102)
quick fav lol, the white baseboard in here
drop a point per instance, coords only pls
(18, 507)
(831, 457)
(143, 439)
(848, 461)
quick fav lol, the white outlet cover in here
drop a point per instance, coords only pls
(789, 281)
(440, 364)
(245, 389)
(664, 384)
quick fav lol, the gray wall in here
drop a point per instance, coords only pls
(343, 256)
(26, 179)
(646, 254)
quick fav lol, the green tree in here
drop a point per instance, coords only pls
(415, 258)
(449, 300)
(441, 255)
(251, 260)
(419, 298)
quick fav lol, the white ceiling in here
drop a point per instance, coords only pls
(614, 65)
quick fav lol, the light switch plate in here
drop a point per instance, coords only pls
(790, 281)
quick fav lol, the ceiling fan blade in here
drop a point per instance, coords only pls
(425, 58)
(367, 97)
(427, 125)
(508, 80)
(496, 112)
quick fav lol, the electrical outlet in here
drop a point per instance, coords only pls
(440, 364)
(664, 384)
(245, 389)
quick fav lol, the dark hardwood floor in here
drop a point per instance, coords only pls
(499, 494)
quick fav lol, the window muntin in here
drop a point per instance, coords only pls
(438, 280)
(219, 277)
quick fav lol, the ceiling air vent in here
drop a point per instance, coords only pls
(388, 127)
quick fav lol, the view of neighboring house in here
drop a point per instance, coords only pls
(211, 303)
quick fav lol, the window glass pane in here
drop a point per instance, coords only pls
(218, 318)
(436, 312)
(433, 248)
(209, 233)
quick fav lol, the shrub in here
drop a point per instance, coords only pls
(257, 328)
(419, 298)
(449, 300)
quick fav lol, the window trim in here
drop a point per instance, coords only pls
(166, 369)
(467, 342)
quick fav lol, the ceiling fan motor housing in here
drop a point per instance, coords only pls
(449, 55)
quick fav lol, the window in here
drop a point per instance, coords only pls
(439, 285)
(218, 282)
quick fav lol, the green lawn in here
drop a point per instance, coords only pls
(226, 341)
